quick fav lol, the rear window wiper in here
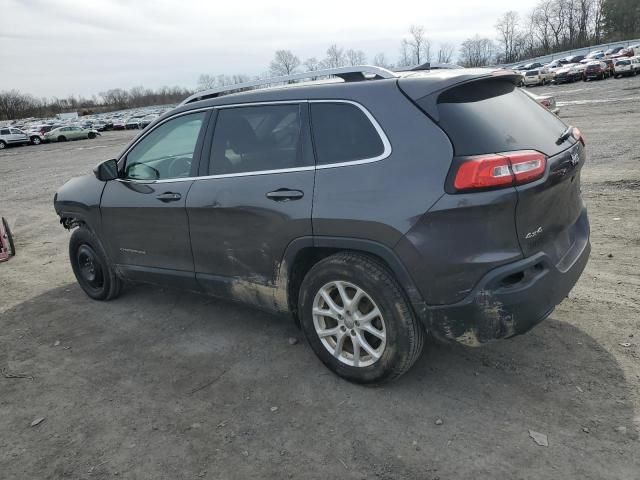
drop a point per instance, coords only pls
(566, 134)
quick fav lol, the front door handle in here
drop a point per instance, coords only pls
(284, 195)
(169, 197)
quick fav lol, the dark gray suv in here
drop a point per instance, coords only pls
(375, 208)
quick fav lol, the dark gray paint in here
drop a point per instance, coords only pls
(453, 254)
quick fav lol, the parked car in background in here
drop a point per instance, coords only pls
(13, 136)
(613, 50)
(547, 101)
(119, 124)
(37, 133)
(595, 55)
(145, 121)
(567, 74)
(625, 52)
(62, 134)
(636, 49)
(609, 62)
(132, 124)
(539, 76)
(625, 67)
(531, 66)
(595, 70)
(574, 58)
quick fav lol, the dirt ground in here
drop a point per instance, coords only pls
(169, 385)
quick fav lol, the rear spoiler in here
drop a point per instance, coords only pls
(427, 88)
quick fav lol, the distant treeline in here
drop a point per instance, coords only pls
(14, 104)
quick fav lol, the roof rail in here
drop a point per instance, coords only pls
(348, 74)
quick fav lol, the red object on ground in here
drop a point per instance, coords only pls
(7, 250)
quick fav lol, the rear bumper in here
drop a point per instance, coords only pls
(511, 299)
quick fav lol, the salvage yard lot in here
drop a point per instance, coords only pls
(170, 385)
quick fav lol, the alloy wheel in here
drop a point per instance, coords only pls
(349, 324)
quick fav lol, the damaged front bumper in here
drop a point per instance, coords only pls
(509, 300)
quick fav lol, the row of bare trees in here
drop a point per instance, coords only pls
(15, 104)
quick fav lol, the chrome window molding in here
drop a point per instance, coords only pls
(383, 137)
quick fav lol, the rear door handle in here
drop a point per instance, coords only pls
(169, 197)
(284, 195)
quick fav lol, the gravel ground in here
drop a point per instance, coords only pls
(169, 385)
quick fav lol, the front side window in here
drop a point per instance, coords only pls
(167, 151)
(258, 138)
(343, 133)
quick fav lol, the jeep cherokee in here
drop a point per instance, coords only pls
(375, 208)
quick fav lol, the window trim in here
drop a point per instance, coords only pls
(122, 158)
(383, 137)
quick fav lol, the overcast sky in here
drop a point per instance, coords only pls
(64, 47)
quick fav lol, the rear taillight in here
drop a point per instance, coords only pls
(577, 135)
(500, 170)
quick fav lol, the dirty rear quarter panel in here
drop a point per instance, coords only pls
(381, 201)
(461, 238)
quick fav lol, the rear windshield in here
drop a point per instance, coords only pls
(623, 62)
(532, 73)
(490, 116)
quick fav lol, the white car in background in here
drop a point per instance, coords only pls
(13, 136)
(626, 66)
(538, 76)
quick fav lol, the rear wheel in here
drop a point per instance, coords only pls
(91, 267)
(92, 135)
(62, 138)
(358, 320)
(2, 145)
(36, 140)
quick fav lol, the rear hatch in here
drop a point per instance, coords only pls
(492, 116)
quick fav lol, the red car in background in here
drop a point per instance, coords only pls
(596, 70)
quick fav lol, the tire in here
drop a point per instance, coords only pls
(91, 267)
(91, 135)
(402, 333)
(2, 145)
(36, 140)
(62, 138)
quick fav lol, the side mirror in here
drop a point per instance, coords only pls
(107, 170)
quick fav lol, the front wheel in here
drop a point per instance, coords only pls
(62, 138)
(91, 267)
(357, 319)
(2, 145)
(91, 135)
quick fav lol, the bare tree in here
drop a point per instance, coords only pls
(405, 55)
(355, 57)
(335, 57)
(312, 64)
(445, 53)
(418, 45)
(507, 27)
(476, 52)
(206, 82)
(284, 63)
(380, 60)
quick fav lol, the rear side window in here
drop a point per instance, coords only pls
(343, 133)
(252, 139)
(491, 116)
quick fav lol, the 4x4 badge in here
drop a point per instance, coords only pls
(534, 233)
